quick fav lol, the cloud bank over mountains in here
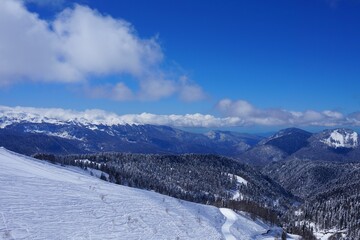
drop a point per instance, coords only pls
(252, 115)
(240, 114)
(80, 44)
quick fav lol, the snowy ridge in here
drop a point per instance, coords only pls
(63, 134)
(43, 201)
(342, 138)
(89, 118)
(275, 136)
(60, 116)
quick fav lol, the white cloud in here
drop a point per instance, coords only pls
(152, 88)
(237, 108)
(97, 44)
(251, 115)
(155, 88)
(78, 44)
(96, 116)
(117, 92)
(28, 49)
(189, 91)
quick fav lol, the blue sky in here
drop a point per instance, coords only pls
(253, 60)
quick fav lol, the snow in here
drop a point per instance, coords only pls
(342, 138)
(231, 218)
(237, 195)
(237, 226)
(87, 161)
(130, 141)
(239, 180)
(43, 201)
(213, 135)
(97, 173)
(63, 134)
(275, 136)
(293, 236)
(298, 212)
(325, 235)
(93, 117)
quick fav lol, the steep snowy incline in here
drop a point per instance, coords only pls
(42, 201)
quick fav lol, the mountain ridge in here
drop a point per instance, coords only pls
(338, 144)
(76, 138)
(31, 133)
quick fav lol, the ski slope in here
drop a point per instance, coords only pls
(43, 201)
(231, 218)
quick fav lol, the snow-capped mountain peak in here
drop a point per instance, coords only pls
(342, 138)
(11, 115)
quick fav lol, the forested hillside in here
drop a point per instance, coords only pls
(208, 179)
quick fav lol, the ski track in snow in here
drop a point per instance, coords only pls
(42, 201)
(231, 218)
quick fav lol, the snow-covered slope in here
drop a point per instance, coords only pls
(342, 138)
(43, 201)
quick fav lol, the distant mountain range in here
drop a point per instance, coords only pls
(293, 143)
(72, 137)
(30, 134)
